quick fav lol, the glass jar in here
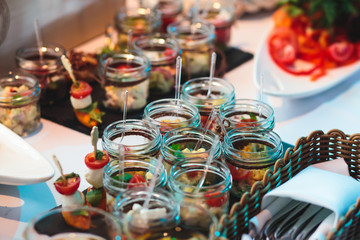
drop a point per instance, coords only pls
(249, 153)
(196, 40)
(49, 70)
(247, 113)
(19, 103)
(168, 113)
(140, 138)
(179, 144)
(129, 204)
(162, 51)
(185, 177)
(125, 72)
(221, 13)
(170, 10)
(73, 223)
(195, 91)
(118, 176)
(140, 20)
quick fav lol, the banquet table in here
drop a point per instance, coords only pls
(334, 108)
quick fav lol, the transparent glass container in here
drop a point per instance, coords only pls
(195, 91)
(140, 138)
(169, 113)
(19, 102)
(117, 176)
(221, 13)
(58, 223)
(180, 143)
(185, 181)
(196, 39)
(162, 51)
(249, 153)
(125, 72)
(170, 11)
(247, 113)
(49, 70)
(141, 21)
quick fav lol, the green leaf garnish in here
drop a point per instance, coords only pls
(126, 177)
(176, 147)
(253, 116)
(81, 212)
(99, 155)
(96, 116)
(94, 196)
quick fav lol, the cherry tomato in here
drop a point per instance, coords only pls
(69, 186)
(238, 173)
(93, 163)
(247, 122)
(358, 49)
(215, 201)
(341, 51)
(136, 181)
(283, 45)
(81, 91)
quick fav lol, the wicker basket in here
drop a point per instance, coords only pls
(317, 147)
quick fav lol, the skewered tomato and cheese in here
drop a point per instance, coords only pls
(67, 186)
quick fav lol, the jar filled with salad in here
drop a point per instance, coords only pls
(137, 136)
(162, 50)
(187, 143)
(133, 171)
(128, 71)
(170, 11)
(249, 153)
(251, 113)
(192, 181)
(196, 38)
(19, 103)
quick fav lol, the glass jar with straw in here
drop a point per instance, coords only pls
(125, 71)
(187, 143)
(137, 136)
(247, 113)
(196, 38)
(129, 172)
(139, 20)
(162, 50)
(249, 153)
(198, 182)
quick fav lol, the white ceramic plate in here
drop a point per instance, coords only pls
(20, 163)
(279, 83)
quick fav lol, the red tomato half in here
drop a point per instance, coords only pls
(358, 49)
(136, 181)
(283, 45)
(69, 186)
(81, 91)
(247, 122)
(340, 51)
(93, 163)
(215, 201)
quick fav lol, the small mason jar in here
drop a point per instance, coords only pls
(140, 20)
(221, 13)
(196, 39)
(162, 51)
(133, 171)
(19, 103)
(48, 69)
(249, 153)
(137, 136)
(169, 113)
(195, 91)
(125, 72)
(247, 113)
(191, 181)
(180, 143)
(170, 10)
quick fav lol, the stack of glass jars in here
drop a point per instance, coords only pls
(19, 103)
(162, 51)
(122, 72)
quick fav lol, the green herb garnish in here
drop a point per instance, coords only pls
(96, 116)
(176, 147)
(99, 155)
(253, 116)
(94, 196)
(126, 177)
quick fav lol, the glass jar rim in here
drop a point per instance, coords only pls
(229, 148)
(248, 102)
(58, 49)
(134, 55)
(168, 41)
(11, 79)
(173, 102)
(206, 28)
(153, 13)
(136, 122)
(224, 171)
(194, 81)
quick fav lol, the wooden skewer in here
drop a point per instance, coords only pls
(94, 138)
(58, 165)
